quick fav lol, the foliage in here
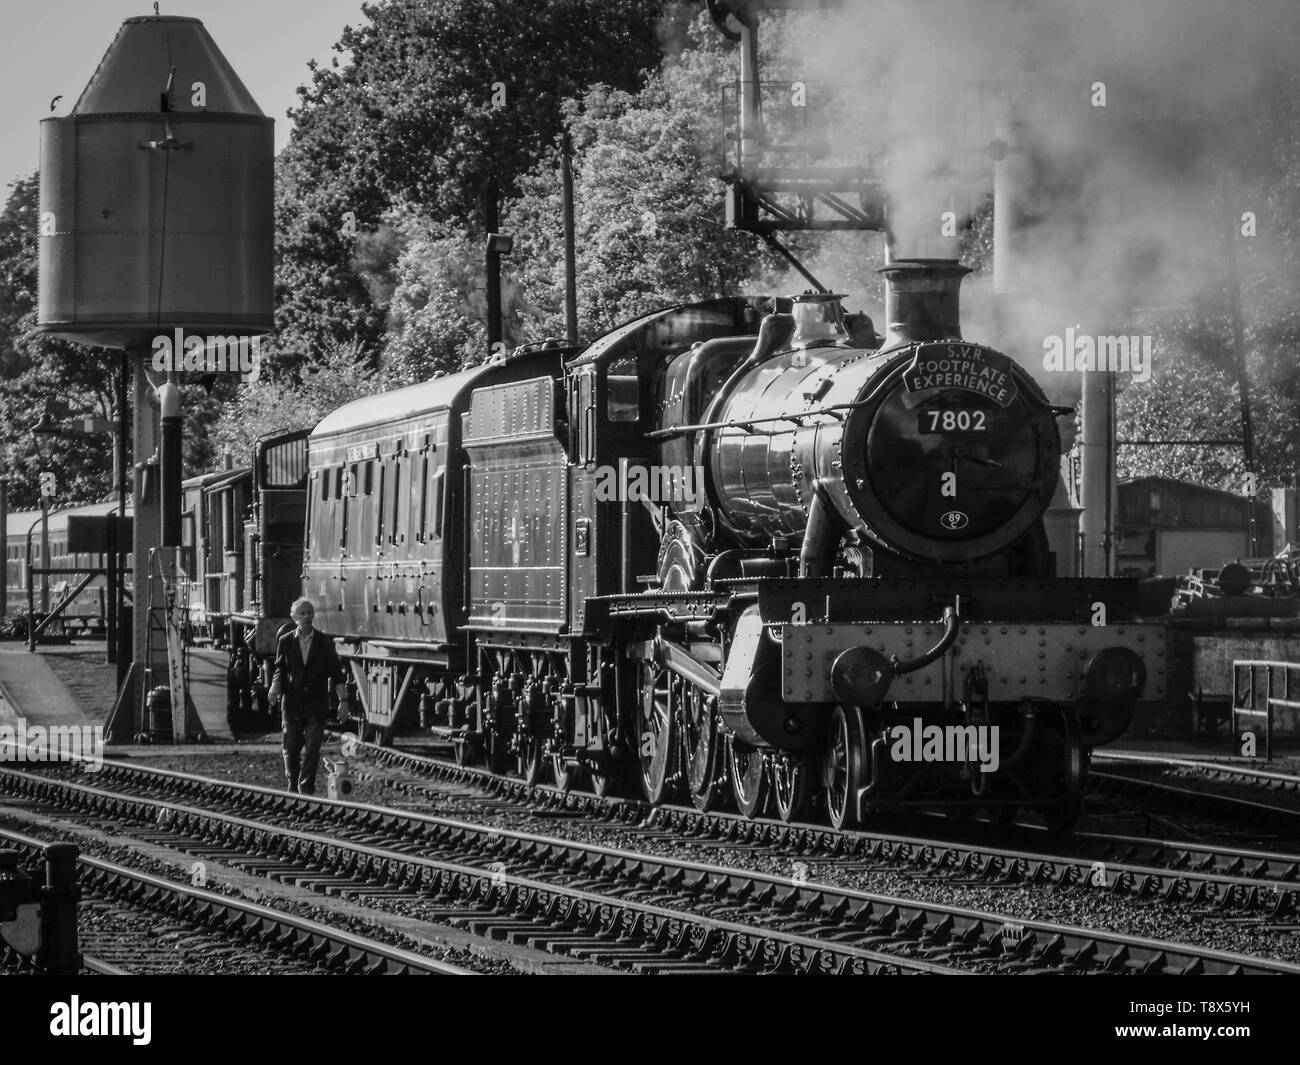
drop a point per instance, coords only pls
(435, 98)
(39, 372)
(648, 203)
(343, 374)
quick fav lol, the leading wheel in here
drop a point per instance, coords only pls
(657, 693)
(791, 778)
(842, 766)
(748, 771)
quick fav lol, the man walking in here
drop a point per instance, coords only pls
(305, 664)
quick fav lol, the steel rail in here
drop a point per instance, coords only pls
(711, 942)
(1227, 878)
(1259, 812)
(1229, 770)
(241, 919)
(102, 968)
(845, 913)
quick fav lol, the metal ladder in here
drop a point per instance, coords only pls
(166, 624)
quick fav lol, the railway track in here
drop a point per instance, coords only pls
(1228, 771)
(1228, 879)
(618, 907)
(1127, 778)
(132, 922)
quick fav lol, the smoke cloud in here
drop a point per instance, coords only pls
(1150, 132)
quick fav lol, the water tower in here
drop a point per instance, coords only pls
(156, 215)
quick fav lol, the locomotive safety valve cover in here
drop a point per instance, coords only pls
(1060, 662)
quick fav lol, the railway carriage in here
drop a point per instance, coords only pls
(212, 512)
(86, 611)
(262, 515)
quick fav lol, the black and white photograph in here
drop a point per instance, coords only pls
(651, 488)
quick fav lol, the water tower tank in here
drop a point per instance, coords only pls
(156, 196)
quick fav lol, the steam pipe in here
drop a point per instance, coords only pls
(818, 541)
(951, 623)
(169, 402)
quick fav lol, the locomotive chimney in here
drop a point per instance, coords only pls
(923, 302)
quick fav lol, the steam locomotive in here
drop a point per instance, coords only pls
(742, 550)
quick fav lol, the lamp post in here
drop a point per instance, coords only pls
(45, 434)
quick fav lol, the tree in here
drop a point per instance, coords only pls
(437, 97)
(649, 217)
(342, 374)
(39, 372)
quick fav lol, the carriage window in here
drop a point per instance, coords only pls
(397, 498)
(285, 465)
(438, 481)
(584, 416)
(228, 520)
(424, 498)
(623, 390)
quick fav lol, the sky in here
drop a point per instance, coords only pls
(51, 47)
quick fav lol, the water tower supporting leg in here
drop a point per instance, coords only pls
(127, 718)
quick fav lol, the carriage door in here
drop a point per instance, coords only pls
(582, 506)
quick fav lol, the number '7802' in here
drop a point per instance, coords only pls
(968, 421)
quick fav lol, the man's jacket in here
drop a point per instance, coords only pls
(305, 686)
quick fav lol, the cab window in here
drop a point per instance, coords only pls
(623, 391)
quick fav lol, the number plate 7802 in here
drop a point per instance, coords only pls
(953, 420)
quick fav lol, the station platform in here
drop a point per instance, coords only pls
(71, 684)
(30, 689)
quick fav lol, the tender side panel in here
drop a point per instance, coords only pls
(518, 543)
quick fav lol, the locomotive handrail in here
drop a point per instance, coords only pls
(747, 423)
